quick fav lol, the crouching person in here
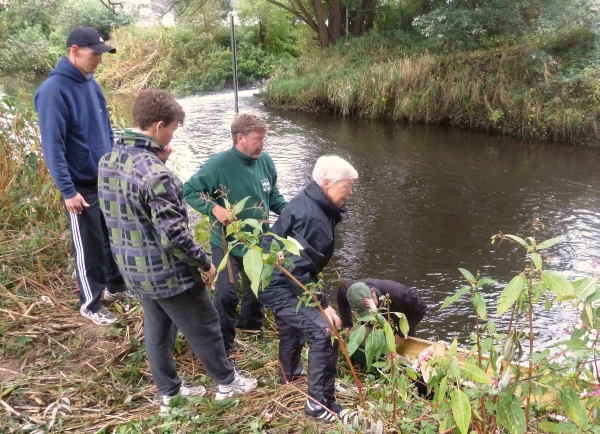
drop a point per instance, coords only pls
(142, 201)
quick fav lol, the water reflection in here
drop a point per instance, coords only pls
(427, 201)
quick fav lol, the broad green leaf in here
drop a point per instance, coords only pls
(479, 303)
(265, 275)
(453, 347)
(570, 401)
(486, 281)
(519, 240)
(558, 284)
(275, 247)
(253, 266)
(510, 414)
(222, 266)
(589, 312)
(240, 205)
(381, 343)
(511, 293)
(441, 395)
(292, 246)
(467, 275)
(584, 288)
(371, 348)
(549, 243)
(455, 369)
(403, 324)
(558, 428)
(253, 223)
(537, 260)
(389, 337)
(356, 338)
(461, 410)
(449, 300)
(476, 374)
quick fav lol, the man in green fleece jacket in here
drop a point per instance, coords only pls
(242, 171)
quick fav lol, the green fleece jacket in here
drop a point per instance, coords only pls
(233, 175)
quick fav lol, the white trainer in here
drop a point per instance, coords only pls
(239, 386)
(183, 391)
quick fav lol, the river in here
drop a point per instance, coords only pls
(427, 201)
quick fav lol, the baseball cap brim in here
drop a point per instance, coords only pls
(103, 48)
(363, 311)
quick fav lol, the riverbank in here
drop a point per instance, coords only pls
(532, 94)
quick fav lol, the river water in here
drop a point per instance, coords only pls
(427, 201)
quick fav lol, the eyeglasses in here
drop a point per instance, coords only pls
(258, 141)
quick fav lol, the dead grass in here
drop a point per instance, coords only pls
(48, 353)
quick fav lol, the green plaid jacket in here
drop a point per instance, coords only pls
(146, 216)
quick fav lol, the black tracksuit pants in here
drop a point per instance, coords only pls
(94, 263)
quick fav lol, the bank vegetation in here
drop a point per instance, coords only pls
(539, 82)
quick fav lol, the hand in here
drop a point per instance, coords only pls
(76, 204)
(210, 274)
(333, 317)
(164, 153)
(223, 215)
(370, 303)
(399, 341)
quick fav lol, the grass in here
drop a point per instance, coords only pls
(530, 95)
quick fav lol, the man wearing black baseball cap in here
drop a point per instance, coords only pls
(76, 132)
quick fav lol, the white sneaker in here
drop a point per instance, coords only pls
(117, 296)
(239, 386)
(102, 317)
(183, 391)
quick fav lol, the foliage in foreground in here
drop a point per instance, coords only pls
(544, 89)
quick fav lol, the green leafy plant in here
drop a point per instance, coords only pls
(508, 394)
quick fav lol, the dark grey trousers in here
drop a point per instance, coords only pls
(294, 329)
(193, 313)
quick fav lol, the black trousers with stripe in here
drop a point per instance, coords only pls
(94, 263)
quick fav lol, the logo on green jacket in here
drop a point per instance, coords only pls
(266, 185)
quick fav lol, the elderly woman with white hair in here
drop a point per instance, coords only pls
(310, 218)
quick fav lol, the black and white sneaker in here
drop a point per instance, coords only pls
(318, 411)
(101, 317)
(117, 296)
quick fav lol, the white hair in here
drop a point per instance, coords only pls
(334, 169)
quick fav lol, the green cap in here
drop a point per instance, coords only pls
(356, 297)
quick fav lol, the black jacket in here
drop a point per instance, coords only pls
(403, 300)
(310, 219)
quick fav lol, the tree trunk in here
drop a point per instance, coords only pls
(323, 33)
(335, 20)
(356, 22)
(369, 6)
